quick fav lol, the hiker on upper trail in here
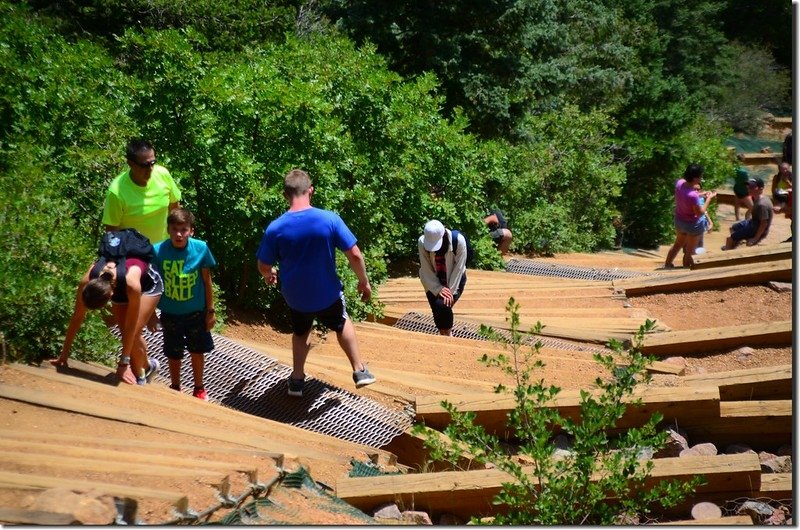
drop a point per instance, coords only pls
(134, 288)
(756, 228)
(187, 307)
(303, 243)
(786, 154)
(498, 229)
(781, 183)
(141, 196)
(442, 270)
(741, 193)
(689, 215)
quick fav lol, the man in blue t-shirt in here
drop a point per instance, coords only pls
(303, 243)
(187, 306)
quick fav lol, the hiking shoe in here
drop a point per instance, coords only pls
(363, 377)
(151, 373)
(296, 387)
(200, 393)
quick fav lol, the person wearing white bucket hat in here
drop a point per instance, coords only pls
(442, 271)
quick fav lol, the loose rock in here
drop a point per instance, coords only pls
(706, 510)
(387, 511)
(418, 518)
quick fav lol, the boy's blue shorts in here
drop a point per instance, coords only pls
(185, 332)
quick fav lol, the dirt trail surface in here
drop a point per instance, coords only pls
(424, 364)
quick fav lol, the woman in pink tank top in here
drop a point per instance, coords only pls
(689, 214)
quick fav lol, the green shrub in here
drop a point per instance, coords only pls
(600, 481)
(42, 258)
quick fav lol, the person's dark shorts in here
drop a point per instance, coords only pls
(185, 333)
(152, 285)
(443, 315)
(743, 230)
(695, 228)
(497, 235)
(780, 198)
(332, 317)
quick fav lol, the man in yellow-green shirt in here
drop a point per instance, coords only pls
(142, 196)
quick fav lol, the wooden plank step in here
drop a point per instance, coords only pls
(742, 255)
(774, 486)
(686, 342)
(760, 424)
(731, 520)
(491, 410)
(337, 371)
(402, 337)
(411, 451)
(151, 447)
(37, 517)
(161, 397)
(115, 465)
(157, 461)
(751, 273)
(760, 159)
(768, 382)
(100, 410)
(470, 493)
(40, 482)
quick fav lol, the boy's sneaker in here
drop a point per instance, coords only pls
(200, 393)
(296, 387)
(175, 387)
(151, 373)
(141, 380)
(363, 377)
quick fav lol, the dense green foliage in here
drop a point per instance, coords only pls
(600, 479)
(574, 117)
(652, 66)
(41, 257)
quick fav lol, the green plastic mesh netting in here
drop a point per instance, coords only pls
(308, 497)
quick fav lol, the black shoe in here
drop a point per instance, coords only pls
(296, 387)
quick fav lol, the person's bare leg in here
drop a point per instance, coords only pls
(680, 242)
(349, 343)
(505, 243)
(300, 347)
(120, 311)
(175, 372)
(730, 243)
(198, 365)
(689, 250)
(146, 308)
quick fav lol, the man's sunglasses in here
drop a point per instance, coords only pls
(145, 165)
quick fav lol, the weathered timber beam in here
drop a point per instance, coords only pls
(760, 159)
(768, 382)
(41, 482)
(686, 342)
(37, 517)
(743, 255)
(491, 410)
(760, 424)
(470, 493)
(753, 273)
(732, 520)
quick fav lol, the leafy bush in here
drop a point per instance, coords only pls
(601, 480)
(648, 217)
(560, 186)
(42, 258)
(753, 84)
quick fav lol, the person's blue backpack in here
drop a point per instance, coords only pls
(470, 250)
